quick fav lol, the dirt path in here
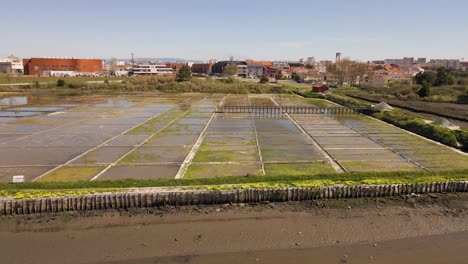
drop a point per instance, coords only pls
(417, 230)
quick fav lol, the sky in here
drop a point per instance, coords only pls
(245, 29)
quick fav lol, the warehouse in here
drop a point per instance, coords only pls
(42, 66)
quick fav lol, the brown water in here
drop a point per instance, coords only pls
(372, 231)
(449, 248)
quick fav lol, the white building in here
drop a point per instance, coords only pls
(405, 62)
(16, 63)
(310, 61)
(448, 64)
(283, 67)
(415, 69)
(242, 71)
(152, 69)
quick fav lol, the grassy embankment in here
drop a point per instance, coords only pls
(49, 189)
(407, 92)
(5, 79)
(446, 109)
(166, 84)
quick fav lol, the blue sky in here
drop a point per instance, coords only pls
(257, 29)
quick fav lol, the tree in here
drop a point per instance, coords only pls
(295, 77)
(425, 77)
(357, 73)
(425, 91)
(279, 76)
(341, 70)
(230, 70)
(60, 82)
(264, 79)
(184, 74)
(443, 77)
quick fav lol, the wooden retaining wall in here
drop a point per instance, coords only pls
(280, 110)
(181, 198)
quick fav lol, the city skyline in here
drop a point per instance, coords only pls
(362, 30)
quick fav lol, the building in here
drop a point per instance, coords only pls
(5, 67)
(405, 62)
(201, 68)
(421, 60)
(310, 61)
(116, 67)
(242, 70)
(448, 64)
(319, 88)
(37, 66)
(283, 68)
(464, 66)
(218, 67)
(151, 69)
(271, 71)
(254, 69)
(175, 66)
(379, 80)
(324, 66)
(415, 69)
(15, 62)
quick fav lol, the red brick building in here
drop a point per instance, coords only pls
(37, 66)
(271, 71)
(175, 66)
(201, 68)
(319, 88)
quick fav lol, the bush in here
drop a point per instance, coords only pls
(462, 137)
(415, 125)
(425, 91)
(60, 82)
(264, 79)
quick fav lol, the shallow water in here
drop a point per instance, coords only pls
(162, 130)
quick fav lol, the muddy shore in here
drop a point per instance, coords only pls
(424, 229)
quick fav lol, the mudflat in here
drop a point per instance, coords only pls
(406, 229)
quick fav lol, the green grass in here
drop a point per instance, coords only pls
(4, 79)
(205, 154)
(295, 87)
(319, 102)
(342, 178)
(376, 166)
(136, 157)
(70, 174)
(36, 194)
(298, 169)
(207, 171)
